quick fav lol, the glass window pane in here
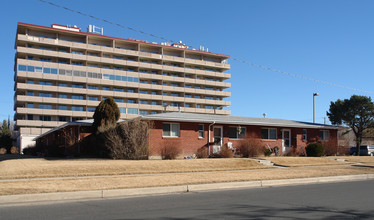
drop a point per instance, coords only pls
(264, 133)
(166, 130)
(273, 134)
(21, 67)
(30, 69)
(232, 132)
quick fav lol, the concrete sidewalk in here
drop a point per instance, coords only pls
(45, 198)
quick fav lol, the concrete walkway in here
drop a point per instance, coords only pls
(30, 199)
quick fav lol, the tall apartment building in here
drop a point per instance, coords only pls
(62, 73)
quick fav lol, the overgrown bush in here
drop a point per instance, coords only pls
(226, 152)
(202, 152)
(170, 150)
(128, 140)
(2, 150)
(314, 150)
(14, 150)
(250, 148)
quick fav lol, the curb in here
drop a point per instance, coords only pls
(10, 200)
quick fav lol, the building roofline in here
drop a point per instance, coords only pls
(116, 38)
(234, 120)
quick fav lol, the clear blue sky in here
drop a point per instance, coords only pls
(324, 40)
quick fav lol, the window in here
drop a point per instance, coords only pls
(77, 52)
(201, 131)
(29, 93)
(142, 112)
(92, 87)
(118, 100)
(144, 102)
(45, 106)
(237, 132)
(118, 89)
(130, 90)
(105, 88)
(30, 117)
(268, 133)
(133, 111)
(305, 137)
(77, 86)
(63, 84)
(44, 94)
(62, 118)
(30, 82)
(62, 96)
(80, 97)
(170, 130)
(122, 110)
(130, 101)
(77, 108)
(91, 109)
(324, 135)
(44, 118)
(62, 107)
(44, 83)
(30, 105)
(154, 103)
(93, 98)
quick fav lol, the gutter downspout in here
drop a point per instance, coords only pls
(209, 136)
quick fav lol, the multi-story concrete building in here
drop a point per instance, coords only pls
(62, 73)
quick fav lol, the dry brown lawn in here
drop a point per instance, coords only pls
(65, 175)
(305, 161)
(8, 187)
(39, 167)
(358, 159)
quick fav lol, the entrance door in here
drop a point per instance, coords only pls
(286, 141)
(217, 139)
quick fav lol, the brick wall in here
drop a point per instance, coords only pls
(189, 142)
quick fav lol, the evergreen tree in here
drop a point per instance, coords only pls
(106, 116)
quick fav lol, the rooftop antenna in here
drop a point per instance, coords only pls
(264, 115)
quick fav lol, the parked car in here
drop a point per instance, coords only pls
(365, 150)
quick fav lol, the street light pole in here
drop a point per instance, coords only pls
(314, 107)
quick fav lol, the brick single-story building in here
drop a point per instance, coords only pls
(191, 132)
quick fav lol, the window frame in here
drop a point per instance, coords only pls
(305, 135)
(268, 135)
(171, 125)
(200, 130)
(237, 135)
(324, 132)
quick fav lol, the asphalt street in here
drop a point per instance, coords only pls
(345, 200)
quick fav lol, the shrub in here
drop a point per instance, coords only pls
(267, 152)
(251, 148)
(226, 152)
(314, 150)
(202, 152)
(2, 151)
(128, 140)
(170, 150)
(14, 150)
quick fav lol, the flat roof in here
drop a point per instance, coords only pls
(234, 120)
(116, 38)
